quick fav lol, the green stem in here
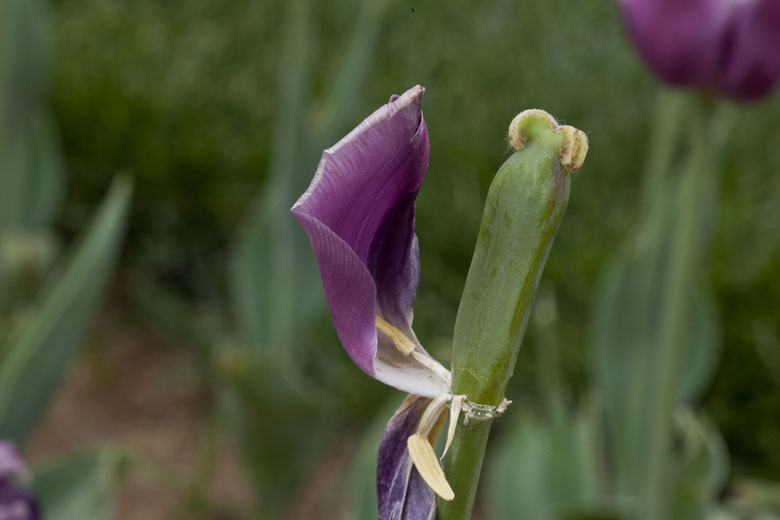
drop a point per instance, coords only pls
(524, 207)
(463, 466)
(696, 188)
(548, 360)
(664, 142)
(666, 129)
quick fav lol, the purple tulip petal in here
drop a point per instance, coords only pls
(678, 38)
(401, 492)
(753, 64)
(359, 215)
(727, 46)
(16, 503)
(11, 465)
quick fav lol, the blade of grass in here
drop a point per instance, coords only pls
(39, 353)
(265, 269)
(80, 486)
(349, 85)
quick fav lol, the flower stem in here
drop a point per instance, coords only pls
(463, 466)
(669, 108)
(697, 190)
(524, 207)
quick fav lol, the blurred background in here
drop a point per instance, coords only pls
(208, 382)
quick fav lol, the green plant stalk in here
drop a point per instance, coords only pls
(669, 110)
(524, 208)
(684, 263)
(463, 466)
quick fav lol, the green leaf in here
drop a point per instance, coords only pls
(280, 436)
(655, 335)
(349, 83)
(362, 499)
(625, 337)
(546, 471)
(23, 60)
(271, 269)
(275, 282)
(700, 467)
(31, 177)
(80, 486)
(39, 352)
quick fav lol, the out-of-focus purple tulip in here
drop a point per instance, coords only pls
(359, 215)
(16, 503)
(728, 46)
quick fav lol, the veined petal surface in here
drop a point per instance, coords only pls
(359, 215)
(401, 492)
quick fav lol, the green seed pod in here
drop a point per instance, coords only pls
(524, 207)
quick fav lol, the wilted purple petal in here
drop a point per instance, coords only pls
(11, 465)
(401, 492)
(359, 214)
(754, 66)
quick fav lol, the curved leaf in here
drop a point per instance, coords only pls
(39, 352)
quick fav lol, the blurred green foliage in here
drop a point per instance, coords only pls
(46, 303)
(47, 300)
(80, 485)
(186, 96)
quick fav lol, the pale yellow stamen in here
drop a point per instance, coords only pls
(432, 365)
(455, 408)
(427, 464)
(408, 348)
(421, 447)
(402, 343)
(432, 413)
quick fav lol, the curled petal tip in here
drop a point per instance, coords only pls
(413, 95)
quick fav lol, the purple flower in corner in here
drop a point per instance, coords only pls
(359, 215)
(729, 46)
(16, 503)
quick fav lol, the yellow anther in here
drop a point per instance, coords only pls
(431, 416)
(427, 464)
(402, 343)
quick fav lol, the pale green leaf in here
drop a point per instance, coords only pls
(80, 486)
(40, 350)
